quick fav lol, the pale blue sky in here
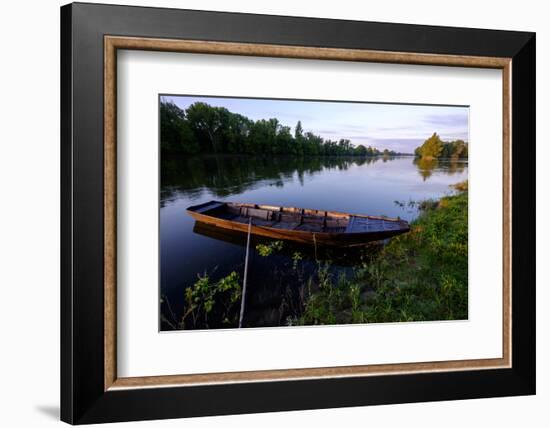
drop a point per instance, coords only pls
(396, 127)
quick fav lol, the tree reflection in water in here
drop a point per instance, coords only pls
(427, 166)
(226, 175)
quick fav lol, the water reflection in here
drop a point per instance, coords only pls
(229, 175)
(426, 167)
(341, 256)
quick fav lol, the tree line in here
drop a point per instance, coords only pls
(434, 148)
(204, 129)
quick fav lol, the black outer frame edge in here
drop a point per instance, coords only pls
(524, 213)
(66, 306)
(167, 403)
(300, 31)
(82, 397)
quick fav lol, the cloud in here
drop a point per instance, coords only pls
(447, 120)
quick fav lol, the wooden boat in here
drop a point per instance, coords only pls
(299, 224)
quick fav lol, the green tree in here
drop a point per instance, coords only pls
(285, 142)
(235, 132)
(299, 131)
(206, 120)
(361, 150)
(299, 139)
(176, 135)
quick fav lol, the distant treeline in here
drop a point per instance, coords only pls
(434, 148)
(203, 129)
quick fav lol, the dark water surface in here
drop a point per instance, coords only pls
(362, 186)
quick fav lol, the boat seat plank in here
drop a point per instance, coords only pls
(258, 213)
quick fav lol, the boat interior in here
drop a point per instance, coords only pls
(298, 219)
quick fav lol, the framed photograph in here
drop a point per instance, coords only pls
(266, 213)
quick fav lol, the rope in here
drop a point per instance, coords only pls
(315, 246)
(245, 272)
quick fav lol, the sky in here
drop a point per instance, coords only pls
(397, 127)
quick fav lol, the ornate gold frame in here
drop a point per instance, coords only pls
(113, 43)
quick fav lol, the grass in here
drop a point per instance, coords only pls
(418, 276)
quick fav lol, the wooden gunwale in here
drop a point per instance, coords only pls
(340, 238)
(307, 211)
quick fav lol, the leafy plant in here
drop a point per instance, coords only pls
(265, 250)
(206, 299)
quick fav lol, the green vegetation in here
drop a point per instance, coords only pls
(207, 302)
(418, 276)
(265, 250)
(203, 129)
(434, 148)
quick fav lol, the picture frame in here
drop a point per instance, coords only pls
(91, 391)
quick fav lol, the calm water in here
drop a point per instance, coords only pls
(372, 186)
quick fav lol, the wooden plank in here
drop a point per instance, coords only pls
(259, 213)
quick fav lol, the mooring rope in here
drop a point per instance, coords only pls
(245, 272)
(315, 246)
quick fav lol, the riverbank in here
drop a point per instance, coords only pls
(418, 276)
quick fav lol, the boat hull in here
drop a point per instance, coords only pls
(303, 237)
